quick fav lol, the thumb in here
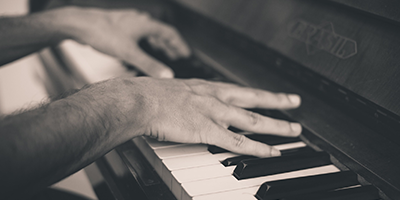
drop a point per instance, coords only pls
(147, 64)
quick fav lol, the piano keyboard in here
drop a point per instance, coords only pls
(202, 172)
(192, 172)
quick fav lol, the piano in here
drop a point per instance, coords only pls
(341, 56)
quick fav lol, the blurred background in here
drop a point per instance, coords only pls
(21, 87)
(20, 81)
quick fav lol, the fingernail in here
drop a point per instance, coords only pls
(296, 127)
(275, 152)
(294, 99)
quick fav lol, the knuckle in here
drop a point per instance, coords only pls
(280, 97)
(257, 94)
(283, 124)
(254, 118)
(239, 140)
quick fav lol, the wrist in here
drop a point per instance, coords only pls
(66, 23)
(117, 109)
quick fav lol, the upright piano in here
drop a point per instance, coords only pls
(341, 56)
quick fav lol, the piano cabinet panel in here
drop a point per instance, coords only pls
(353, 49)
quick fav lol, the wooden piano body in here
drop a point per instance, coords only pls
(342, 57)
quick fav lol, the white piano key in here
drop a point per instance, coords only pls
(293, 145)
(201, 173)
(200, 160)
(184, 162)
(182, 150)
(189, 162)
(230, 183)
(210, 159)
(169, 159)
(213, 171)
(194, 164)
(155, 144)
(196, 174)
(242, 194)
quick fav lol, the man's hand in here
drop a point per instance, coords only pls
(40, 146)
(114, 32)
(117, 33)
(198, 111)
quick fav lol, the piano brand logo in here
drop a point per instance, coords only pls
(322, 37)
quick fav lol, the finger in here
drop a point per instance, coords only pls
(147, 64)
(154, 42)
(253, 122)
(242, 145)
(256, 98)
(159, 44)
(171, 38)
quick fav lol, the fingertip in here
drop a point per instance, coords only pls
(294, 99)
(182, 48)
(296, 128)
(275, 152)
(186, 52)
(266, 151)
(165, 73)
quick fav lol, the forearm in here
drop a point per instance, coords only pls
(20, 36)
(41, 146)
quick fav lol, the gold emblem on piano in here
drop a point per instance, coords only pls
(322, 37)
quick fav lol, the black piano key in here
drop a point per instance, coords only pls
(272, 139)
(357, 193)
(214, 149)
(267, 139)
(306, 185)
(274, 165)
(297, 151)
(235, 160)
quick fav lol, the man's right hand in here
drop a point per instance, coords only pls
(196, 111)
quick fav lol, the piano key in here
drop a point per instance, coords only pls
(155, 156)
(214, 149)
(267, 139)
(297, 151)
(181, 150)
(256, 167)
(305, 185)
(242, 194)
(207, 158)
(167, 154)
(365, 193)
(272, 139)
(195, 161)
(201, 173)
(293, 145)
(191, 162)
(192, 167)
(230, 183)
(155, 144)
(235, 160)
(200, 170)
(196, 174)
